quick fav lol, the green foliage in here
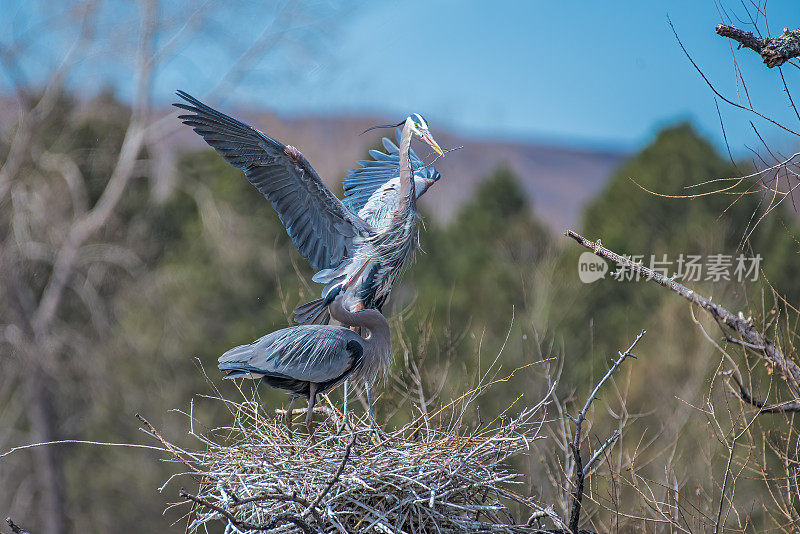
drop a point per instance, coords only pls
(227, 272)
(678, 370)
(218, 270)
(630, 218)
(473, 267)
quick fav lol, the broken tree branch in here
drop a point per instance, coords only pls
(774, 50)
(744, 327)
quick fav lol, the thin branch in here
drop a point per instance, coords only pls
(587, 469)
(281, 518)
(30, 118)
(775, 51)
(279, 497)
(743, 326)
(580, 471)
(789, 94)
(151, 430)
(93, 220)
(716, 92)
(338, 472)
(80, 442)
(719, 523)
(763, 407)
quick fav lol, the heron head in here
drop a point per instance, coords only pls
(420, 128)
(341, 287)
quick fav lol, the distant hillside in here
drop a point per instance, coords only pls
(558, 180)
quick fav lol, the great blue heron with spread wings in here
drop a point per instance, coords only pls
(375, 193)
(376, 220)
(307, 360)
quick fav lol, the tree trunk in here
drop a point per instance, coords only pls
(47, 463)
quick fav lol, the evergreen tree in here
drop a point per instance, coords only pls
(631, 219)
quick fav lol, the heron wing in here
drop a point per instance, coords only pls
(313, 353)
(363, 182)
(320, 226)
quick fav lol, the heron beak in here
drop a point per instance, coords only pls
(428, 138)
(354, 278)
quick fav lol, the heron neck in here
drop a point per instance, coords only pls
(407, 193)
(372, 320)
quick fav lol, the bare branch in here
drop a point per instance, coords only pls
(79, 442)
(278, 519)
(120, 177)
(774, 50)
(338, 472)
(580, 470)
(763, 407)
(720, 95)
(30, 118)
(743, 326)
(587, 469)
(294, 497)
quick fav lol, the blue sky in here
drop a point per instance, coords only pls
(603, 74)
(606, 73)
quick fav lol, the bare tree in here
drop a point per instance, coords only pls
(60, 235)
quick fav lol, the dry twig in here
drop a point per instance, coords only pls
(258, 477)
(758, 342)
(763, 407)
(581, 471)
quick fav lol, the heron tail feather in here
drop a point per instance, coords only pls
(242, 353)
(314, 312)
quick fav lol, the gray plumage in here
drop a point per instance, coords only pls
(374, 226)
(389, 250)
(320, 226)
(306, 353)
(333, 235)
(310, 359)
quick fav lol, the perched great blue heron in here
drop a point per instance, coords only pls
(310, 359)
(377, 219)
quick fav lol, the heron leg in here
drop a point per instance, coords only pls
(345, 422)
(312, 401)
(287, 418)
(359, 305)
(372, 421)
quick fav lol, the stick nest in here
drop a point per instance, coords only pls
(256, 476)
